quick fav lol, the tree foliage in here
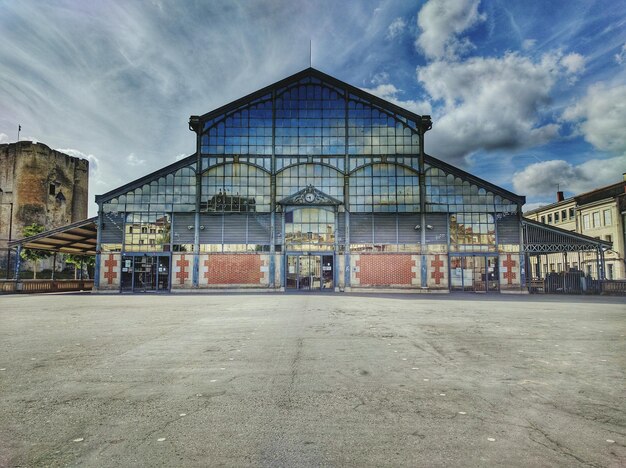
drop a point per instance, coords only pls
(32, 254)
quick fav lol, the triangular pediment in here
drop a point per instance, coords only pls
(310, 196)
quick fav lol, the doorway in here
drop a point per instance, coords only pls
(310, 272)
(477, 273)
(145, 273)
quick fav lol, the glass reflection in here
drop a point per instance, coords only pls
(310, 229)
(384, 188)
(235, 187)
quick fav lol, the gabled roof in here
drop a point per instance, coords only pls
(306, 73)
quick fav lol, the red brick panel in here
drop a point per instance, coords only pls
(233, 269)
(383, 270)
(110, 273)
(438, 273)
(509, 264)
(183, 274)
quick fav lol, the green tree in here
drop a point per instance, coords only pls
(30, 254)
(78, 260)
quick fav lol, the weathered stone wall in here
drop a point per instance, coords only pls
(44, 186)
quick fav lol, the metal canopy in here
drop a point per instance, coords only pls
(541, 238)
(77, 238)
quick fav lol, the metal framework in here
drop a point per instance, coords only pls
(540, 238)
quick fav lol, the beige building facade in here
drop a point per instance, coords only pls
(600, 213)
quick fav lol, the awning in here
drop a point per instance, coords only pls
(76, 238)
(542, 238)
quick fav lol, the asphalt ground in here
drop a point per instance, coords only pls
(312, 380)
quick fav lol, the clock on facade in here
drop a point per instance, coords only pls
(309, 197)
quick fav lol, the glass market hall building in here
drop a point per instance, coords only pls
(309, 184)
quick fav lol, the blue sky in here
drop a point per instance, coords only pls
(527, 95)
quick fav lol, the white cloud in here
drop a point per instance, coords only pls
(134, 160)
(491, 103)
(4, 138)
(541, 179)
(181, 156)
(396, 28)
(94, 163)
(573, 63)
(533, 206)
(442, 22)
(389, 93)
(529, 44)
(621, 55)
(601, 115)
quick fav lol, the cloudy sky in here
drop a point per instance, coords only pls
(527, 95)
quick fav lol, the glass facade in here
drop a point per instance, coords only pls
(359, 152)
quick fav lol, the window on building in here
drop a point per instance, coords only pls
(472, 229)
(543, 219)
(236, 187)
(609, 271)
(138, 229)
(52, 189)
(571, 213)
(609, 237)
(559, 267)
(607, 217)
(384, 188)
(551, 267)
(596, 219)
(586, 223)
(310, 229)
(563, 215)
(556, 217)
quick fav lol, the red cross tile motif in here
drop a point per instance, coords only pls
(509, 274)
(182, 274)
(110, 264)
(437, 275)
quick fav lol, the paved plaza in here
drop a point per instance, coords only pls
(312, 380)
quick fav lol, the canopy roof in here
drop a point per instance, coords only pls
(77, 238)
(543, 238)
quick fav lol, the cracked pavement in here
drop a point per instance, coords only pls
(312, 380)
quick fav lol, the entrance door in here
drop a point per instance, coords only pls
(478, 273)
(310, 272)
(143, 273)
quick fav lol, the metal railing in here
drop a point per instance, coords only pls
(44, 286)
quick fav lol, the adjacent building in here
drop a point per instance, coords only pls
(38, 185)
(601, 214)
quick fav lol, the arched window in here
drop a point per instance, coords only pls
(295, 178)
(384, 188)
(235, 187)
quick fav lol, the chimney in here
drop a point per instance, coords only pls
(559, 196)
